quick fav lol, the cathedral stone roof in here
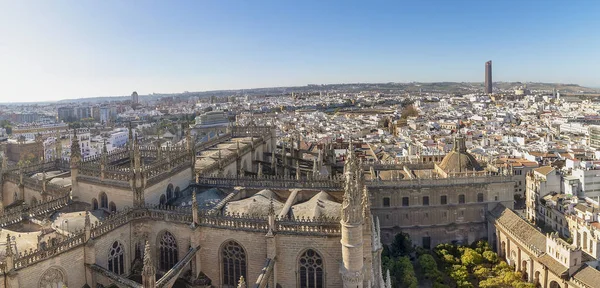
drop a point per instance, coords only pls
(587, 275)
(521, 228)
(459, 160)
(258, 204)
(322, 204)
(553, 265)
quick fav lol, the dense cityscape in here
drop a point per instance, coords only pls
(350, 185)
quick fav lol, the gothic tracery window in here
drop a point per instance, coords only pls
(103, 200)
(170, 191)
(310, 270)
(52, 278)
(168, 251)
(234, 263)
(116, 262)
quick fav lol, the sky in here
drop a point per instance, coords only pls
(52, 50)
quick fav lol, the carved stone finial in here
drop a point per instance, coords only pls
(388, 281)
(149, 271)
(9, 251)
(75, 149)
(271, 207)
(87, 222)
(241, 283)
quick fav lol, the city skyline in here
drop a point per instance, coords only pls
(54, 51)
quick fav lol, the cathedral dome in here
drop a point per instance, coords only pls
(322, 204)
(258, 204)
(459, 160)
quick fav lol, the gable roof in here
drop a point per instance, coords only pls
(520, 228)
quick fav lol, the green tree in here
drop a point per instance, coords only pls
(470, 257)
(429, 267)
(482, 272)
(407, 273)
(459, 273)
(402, 245)
(490, 256)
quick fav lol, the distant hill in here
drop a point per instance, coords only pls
(390, 87)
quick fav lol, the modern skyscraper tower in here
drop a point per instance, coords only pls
(488, 77)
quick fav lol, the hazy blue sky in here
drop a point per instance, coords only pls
(70, 49)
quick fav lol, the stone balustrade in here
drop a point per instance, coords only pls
(459, 179)
(309, 226)
(41, 208)
(268, 181)
(321, 226)
(27, 258)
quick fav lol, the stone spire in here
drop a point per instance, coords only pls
(43, 181)
(9, 256)
(388, 281)
(259, 173)
(271, 218)
(149, 271)
(75, 150)
(353, 192)
(87, 226)
(376, 249)
(104, 153)
(352, 222)
(130, 138)
(273, 162)
(188, 139)
(58, 146)
(138, 181)
(241, 283)
(194, 207)
(137, 157)
(298, 174)
(158, 147)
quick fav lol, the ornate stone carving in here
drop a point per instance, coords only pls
(53, 277)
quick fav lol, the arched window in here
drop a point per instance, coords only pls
(116, 262)
(554, 284)
(234, 263)
(461, 198)
(310, 270)
(94, 204)
(112, 207)
(163, 199)
(479, 197)
(168, 251)
(103, 200)
(177, 192)
(53, 278)
(170, 191)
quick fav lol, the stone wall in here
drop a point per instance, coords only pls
(70, 264)
(120, 196)
(181, 179)
(211, 241)
(289, 250)
(443, 223)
